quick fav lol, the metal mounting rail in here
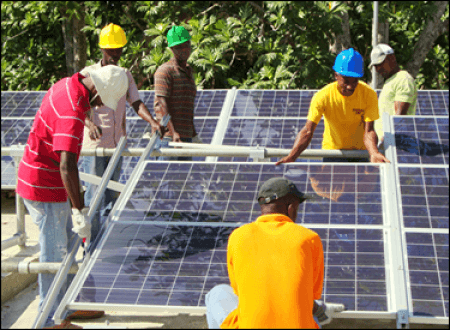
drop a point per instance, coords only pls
(61, 276)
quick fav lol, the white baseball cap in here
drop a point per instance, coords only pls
(111, 83)
(379, 53)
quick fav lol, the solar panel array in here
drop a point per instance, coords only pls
(165, 246)
(421, 151)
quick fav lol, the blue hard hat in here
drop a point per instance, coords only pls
(349, 63)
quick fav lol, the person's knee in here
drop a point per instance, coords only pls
(218, 293)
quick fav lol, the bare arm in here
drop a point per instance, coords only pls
(302, 141)
(401, 108)
(161, 100)
(142, 111)
(370, 141)
(95, 132)
(69, 174)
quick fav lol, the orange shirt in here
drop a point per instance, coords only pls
(276, 269)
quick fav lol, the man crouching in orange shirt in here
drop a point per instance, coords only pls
(275, 267)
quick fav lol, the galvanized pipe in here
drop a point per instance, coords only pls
(13, 241)
(198, 150)
(374, 42)
(29, 267)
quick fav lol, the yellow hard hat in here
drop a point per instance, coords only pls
(112, 36)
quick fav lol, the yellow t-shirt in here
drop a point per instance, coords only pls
(344, 115)
(399, 87)
(276, 269)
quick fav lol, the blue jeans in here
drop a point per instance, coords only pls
(55, 234)
(164, 143)
(220, 302)
(97, 165)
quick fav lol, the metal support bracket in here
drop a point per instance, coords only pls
(402, 319)
(257, 154)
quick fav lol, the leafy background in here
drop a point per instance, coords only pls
(247, 44)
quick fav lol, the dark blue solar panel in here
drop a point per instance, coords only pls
(433, 103)
(424, 193)
(21, 104)
(227, 193)
(269, 133)
(428, 273)
(272, 103)
(421, 140)
(208, 103)
(177, 265)
(15, 131)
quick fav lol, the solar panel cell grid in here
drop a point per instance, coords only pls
(176, 265)
(227, 193)
(428, 273)
(272, 103)
(424, 194)
(433, 103)
(421, 140)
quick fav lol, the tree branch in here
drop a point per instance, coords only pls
(210, 8)
(432, 31)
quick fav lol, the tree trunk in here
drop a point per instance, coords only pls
(79, 43)
(432, 31)
(68, 40)
(342, 41)
(74, 41)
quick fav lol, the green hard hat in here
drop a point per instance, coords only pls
(177, 35)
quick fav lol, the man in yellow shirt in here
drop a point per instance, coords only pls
(350, 108)
(275, 267)
(399, 93)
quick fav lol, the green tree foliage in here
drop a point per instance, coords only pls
(251, 44)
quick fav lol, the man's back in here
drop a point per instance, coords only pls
(276, 268)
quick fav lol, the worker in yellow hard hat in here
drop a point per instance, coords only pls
(105, 126)
(175, 91)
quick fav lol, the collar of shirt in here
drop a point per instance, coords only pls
(174, 63)
(274, 217)
(78, 93)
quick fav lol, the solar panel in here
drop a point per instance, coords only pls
(433, 103)
(21, 104)
(269, 133)
(424, 196)
(269, 103)
(227, 193)
(166, 245)
(208, 103)
(427, 255)
(177, 264)
(421, 140)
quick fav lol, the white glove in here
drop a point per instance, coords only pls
(197, 139)
(81, 224)
(325, 312)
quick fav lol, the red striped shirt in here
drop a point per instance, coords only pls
(58, 126)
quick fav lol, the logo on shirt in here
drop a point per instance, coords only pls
(358, 111)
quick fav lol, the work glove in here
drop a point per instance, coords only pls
(81, 224)
(325, 312)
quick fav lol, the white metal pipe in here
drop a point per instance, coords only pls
(193, 149)
(12, 241)
(113, 185)
(29, 267)
(374, 41)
